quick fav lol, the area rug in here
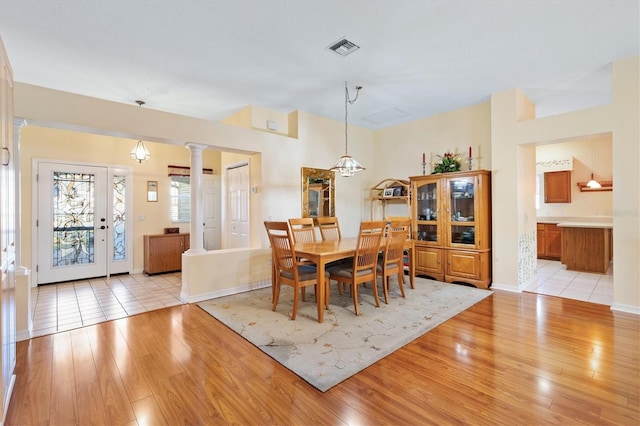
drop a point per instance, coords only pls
(344, 344)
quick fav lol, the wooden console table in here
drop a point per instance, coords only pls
(163, 252)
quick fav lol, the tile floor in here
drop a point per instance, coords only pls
(69, 305)
(555, 280)
(65, 306)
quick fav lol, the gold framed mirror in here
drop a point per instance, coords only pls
(318, 192)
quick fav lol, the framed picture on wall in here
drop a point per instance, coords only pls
(152, 190)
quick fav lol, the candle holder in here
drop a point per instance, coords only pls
(424, 165)
(470, 162)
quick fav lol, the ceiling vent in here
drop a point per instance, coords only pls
(343, 47)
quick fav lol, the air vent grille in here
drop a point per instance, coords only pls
(343, 47)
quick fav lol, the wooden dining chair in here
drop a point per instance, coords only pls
(303, 229)
(329, 228)
(288, 271)
(363, 267)
(391, 262)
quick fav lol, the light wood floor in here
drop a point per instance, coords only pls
(511, 359)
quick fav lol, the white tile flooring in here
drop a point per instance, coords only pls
(555, 280)
(74, 304)
(69, 305)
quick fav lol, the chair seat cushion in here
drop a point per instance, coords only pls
(340, 271)
(390, 265)
(305, 273)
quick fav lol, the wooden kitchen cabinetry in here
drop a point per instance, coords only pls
(549, 241)
(163, 253)
(451, 226)
(557, 187)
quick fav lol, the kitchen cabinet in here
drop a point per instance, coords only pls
(586, 247)
(557, 187)
(549, 241)
(451, 226)
(163, 253)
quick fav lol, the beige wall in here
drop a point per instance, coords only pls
(398, 149)
(56, 144)
(513, 128)
(503, 132)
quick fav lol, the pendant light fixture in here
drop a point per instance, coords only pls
(347, 165)
(593, 184)
(140, 152)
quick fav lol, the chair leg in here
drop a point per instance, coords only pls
(375, 290)
(401, 283)
(385, 288)
(303, 292)
(354, 295)
(295, 304)
(276, 296)
(327, 293)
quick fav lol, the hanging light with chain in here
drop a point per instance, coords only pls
(139, 151)
(347, 165)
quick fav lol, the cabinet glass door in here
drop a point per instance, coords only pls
(460, 217)
(428, 210)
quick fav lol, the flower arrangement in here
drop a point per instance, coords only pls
(449, 162)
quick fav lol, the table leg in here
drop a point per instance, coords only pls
(320, 296)
(412, 266)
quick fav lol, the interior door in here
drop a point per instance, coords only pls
(72, 222)
(238, 202)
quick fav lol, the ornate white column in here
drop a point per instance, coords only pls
(196, 238)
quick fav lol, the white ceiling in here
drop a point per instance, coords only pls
(417, 58)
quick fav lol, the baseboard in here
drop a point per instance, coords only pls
(628, 309)
(23, 335)
(504, 287)
(7, 398)
(224, 292)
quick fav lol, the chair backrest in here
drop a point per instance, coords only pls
(303, 230)
(397, 235)
(400, 221)
(329, 228)
(368, 247)
(282, 246)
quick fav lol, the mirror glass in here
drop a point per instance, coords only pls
(318, 192)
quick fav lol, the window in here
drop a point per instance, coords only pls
(180, 199)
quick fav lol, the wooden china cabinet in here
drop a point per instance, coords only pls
(451, 215)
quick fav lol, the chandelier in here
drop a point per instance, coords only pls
(347, 165)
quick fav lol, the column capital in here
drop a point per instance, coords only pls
(195, 146)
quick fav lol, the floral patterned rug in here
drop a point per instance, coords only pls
(344, 344)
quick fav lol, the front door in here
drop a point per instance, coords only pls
(76, 237)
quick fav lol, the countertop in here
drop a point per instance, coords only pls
(579, 222)
(585, 225)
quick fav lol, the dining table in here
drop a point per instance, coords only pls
(324, 252)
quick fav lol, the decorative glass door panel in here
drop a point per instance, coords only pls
(73, 219)
(461, 193)
(72, 222)
(428, 210)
